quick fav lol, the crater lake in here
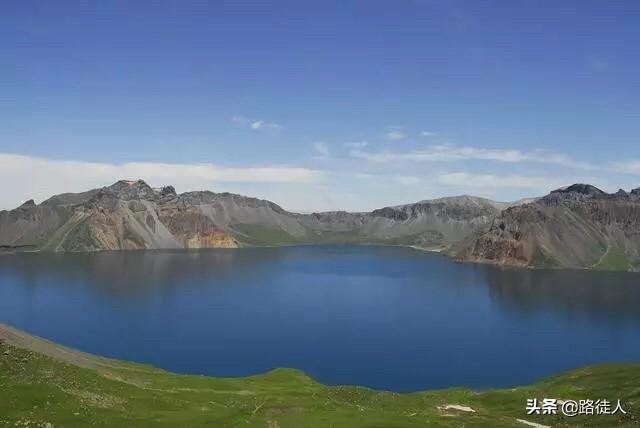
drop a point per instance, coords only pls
(390, 318)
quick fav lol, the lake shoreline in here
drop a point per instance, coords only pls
(442, 250)
(121, 390)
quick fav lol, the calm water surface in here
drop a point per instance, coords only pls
(390, 318)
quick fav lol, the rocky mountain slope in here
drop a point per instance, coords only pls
(577, 227)
(126, 215)
(132, 215)
(431, 223)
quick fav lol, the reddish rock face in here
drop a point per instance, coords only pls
(216, 239)
(192, 228)
(128, 215)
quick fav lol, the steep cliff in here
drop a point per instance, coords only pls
(579, 226)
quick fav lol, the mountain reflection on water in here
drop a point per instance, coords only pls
(615, 296)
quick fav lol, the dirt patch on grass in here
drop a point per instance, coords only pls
(94, 399)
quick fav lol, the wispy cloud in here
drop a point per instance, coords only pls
(628, 167)
(395, 135)
(428, 134)
(490, 182)
(407, 180)
(322, 149)
(447, 153)
(256, 124)
(364, 176)
(38, 178)
(356, 144)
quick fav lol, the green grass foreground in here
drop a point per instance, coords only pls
(43, 384)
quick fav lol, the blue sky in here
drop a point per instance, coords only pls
(320, 105)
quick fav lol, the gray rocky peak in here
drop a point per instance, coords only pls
(168, 191)
(621, 194)
(128, 189)
(28, 204)
(584, 189)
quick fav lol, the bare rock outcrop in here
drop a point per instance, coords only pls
(579, 226)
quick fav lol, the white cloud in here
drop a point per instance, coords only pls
(490, 182)
(407, 180)
(428, 134)
(364, 176)
(628, 167)
(322, 149)
(256, 124)
(448, 153)
(395, 135)
(356, 188)
(241, 121)
(39, 178)
(356, 144)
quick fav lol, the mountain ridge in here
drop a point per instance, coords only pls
(130, 214)
(577, 226)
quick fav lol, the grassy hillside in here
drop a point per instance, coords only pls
(614, 259)
(43, 385)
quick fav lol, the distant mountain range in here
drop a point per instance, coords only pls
(579, 226)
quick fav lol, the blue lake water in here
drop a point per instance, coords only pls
(384, 317)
